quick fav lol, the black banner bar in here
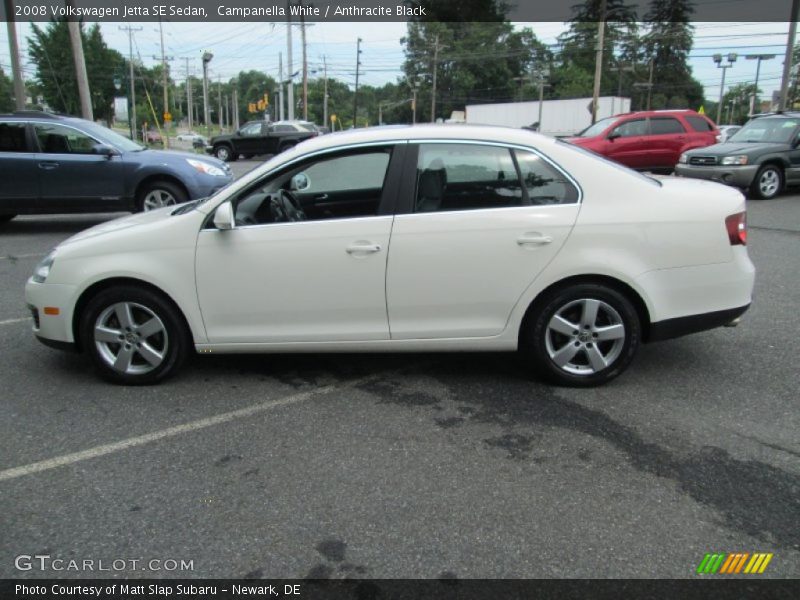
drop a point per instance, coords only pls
(361, 10)
(743, 588)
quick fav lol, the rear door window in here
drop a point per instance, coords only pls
(699, 123)
(12, 137)
(456, 176)
(665, 125)
(543, 183)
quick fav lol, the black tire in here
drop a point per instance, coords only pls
(225, 153)
(173, 344)
(6, 218)
(760, 188)
(170, 193)
(540, 342)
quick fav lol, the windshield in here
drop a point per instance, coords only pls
(767, 130)
(597, 128)
(112, 138)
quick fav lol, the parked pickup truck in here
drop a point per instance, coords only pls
(260, 137)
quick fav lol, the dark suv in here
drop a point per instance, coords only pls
(762, 157)
(261, 137)
(55, 164)
(648, 140)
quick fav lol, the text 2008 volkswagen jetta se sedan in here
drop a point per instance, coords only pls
(431, 238)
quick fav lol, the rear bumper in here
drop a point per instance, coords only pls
(737, 176)
(672, 328)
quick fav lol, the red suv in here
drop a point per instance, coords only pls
(650, 140)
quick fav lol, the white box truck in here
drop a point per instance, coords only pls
(559, 117)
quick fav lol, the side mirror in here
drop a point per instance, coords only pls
(613, 135)
(104, 150)
(223, 216)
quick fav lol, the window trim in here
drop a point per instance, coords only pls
(389, 195)
(409, 190)
(39, 150)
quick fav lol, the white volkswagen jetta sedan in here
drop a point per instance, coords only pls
(427, 238)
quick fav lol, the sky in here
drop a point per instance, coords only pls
(255, 45)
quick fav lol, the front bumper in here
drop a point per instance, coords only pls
(53, 328)
(740, 176)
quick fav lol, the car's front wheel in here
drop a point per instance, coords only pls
(225, 153)
(768, 182)
(134, 335)
(158, 194)
(582, 335)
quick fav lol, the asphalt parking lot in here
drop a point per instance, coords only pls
(408, 466)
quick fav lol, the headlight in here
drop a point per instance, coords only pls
(207, 168)
(739, 159)
(683, 159)
(42, 270)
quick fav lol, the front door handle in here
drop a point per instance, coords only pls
(363, 248)
(533, 239)
(48, 165)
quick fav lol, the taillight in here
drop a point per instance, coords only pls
(737, 228)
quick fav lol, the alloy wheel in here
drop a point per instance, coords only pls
(158, 199)
(769, 182)
(585, 336)
(223, 153)
(130, 338)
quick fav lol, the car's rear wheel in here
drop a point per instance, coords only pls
(134, 335)
(583, 335)
(225, 153)
(158, 194)
(768, 182)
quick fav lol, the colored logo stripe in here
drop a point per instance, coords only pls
(734, 562)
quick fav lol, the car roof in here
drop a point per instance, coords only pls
(438, 132)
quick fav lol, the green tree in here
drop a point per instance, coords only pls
(667, 43)
(6, 93)
(50, 50)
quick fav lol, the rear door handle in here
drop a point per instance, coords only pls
(363, 248)
(321, 197)
(534, 239)
(48, 165)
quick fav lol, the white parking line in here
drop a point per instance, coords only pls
(10, 321)
(16, 256)
(140, 440)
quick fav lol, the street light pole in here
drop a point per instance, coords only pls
(207, 56)
(718, 59)
(787, 59)
(759, 58)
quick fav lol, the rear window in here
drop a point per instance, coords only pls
(700, 124)
(665, 125)
(12, 137)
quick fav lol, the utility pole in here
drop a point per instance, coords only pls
(165, 83)
(236, 106)
(355, 95)
(620, 69)
(13, 48)
(325, 91)
(787, 58)
(543, 74)
(280, 85)
(131, 81)
(207, 56)
(305, 63)
(414, 91)
(759, 58)
(598, 61)
(80, 69)
(436, 49)
(189, 107)
(290, 91)
(219, 100)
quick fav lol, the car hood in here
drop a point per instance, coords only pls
(729, 148)
(169, 157)
(135, 220)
